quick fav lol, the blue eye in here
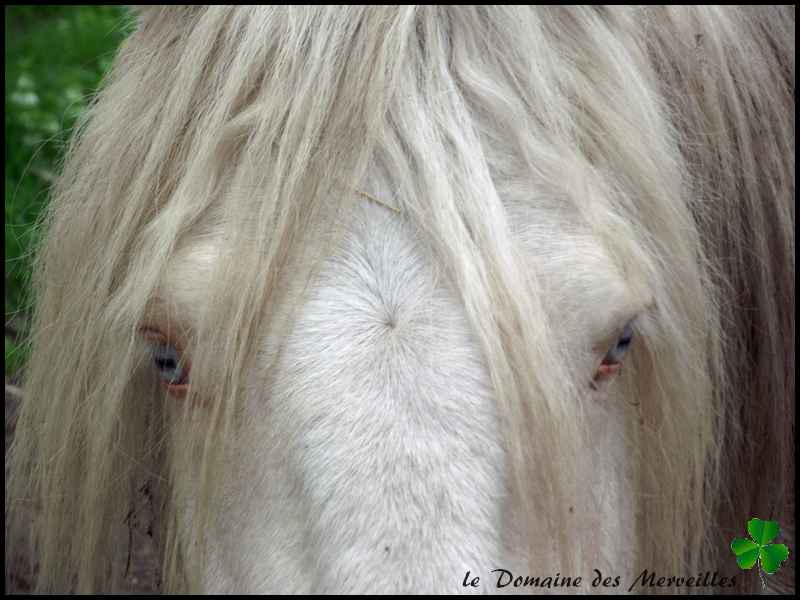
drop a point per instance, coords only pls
(168, 359)
(616, 353)
(168, 363)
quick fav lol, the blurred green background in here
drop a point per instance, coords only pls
(56, 56)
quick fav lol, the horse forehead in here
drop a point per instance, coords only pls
(381, 324)
(382, 274)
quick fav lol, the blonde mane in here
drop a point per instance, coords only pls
(671, 130)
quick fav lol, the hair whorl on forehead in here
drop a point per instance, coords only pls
(248, 116)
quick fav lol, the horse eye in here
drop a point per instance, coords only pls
(168, 359)
(616, 353)
(169, 365)
(612, 361)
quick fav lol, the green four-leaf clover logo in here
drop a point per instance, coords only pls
(759, 548)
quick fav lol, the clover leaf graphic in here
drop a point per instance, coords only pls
(748, 552)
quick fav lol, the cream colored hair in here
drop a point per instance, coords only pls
(670, 129)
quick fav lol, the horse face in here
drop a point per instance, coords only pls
(566, 178)
(368, 455)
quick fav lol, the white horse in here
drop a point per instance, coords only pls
(419, 299)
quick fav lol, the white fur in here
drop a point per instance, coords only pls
(380, 400)
(369, 459)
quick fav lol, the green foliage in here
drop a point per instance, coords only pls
(758, 548)
(56, 57)
(14, 355)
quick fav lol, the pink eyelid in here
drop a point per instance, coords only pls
(605, 371)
